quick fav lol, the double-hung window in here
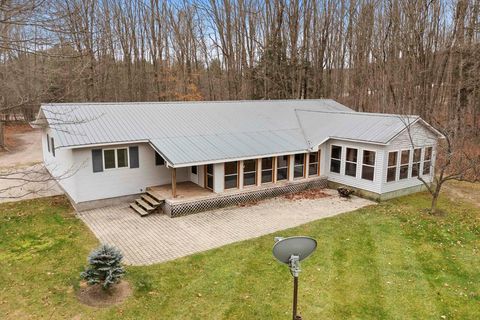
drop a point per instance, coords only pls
(404, 161)
(335, 158)
(250, 172)
(115, 158)
(392, 166)
(351, 162)
(313, 164)
(368, 165)
(299, 166)
(417, 153)
(282, 168)
(427, 160)
(267, 170)
(231, 174)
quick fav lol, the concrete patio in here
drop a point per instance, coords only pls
(158, 238)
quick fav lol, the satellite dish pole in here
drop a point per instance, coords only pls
(291, 251)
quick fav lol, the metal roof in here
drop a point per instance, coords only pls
(186, 133)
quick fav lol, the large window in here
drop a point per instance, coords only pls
(231, 175)
(336, 159)
(417, 153)
(351, 162)
(404, 160)
(158, 159)
(392, 166)
(427, 160)
(299, 166)
(209, 176)
(314, 164)
(267, 170)
(282, 168)
(249, 172)
(115, 158)
(368, 165)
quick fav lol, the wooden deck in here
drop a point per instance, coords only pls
(185, 190)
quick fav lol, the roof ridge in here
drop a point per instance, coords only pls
(378, 114)
(177, 102)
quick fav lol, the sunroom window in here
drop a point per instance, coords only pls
(231, 175)
(249, 172)
(417, 153)
(282, 168)
(313, 164)
(298, 170)
(427, 160)
(368, 165)
(267, 170)
(392, 166)
(404, 160)
(335, 158)
(351, 162)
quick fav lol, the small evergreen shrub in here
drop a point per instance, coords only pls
(105, 266)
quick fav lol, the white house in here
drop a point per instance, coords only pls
(105, 152)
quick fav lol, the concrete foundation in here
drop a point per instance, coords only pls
(380, 197)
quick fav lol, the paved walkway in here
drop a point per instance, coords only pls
(158, 238)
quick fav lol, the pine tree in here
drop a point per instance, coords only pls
(105, 266)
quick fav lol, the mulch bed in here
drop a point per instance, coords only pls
(95, 296)
(306, 194)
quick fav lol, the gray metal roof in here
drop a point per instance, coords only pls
(201, 132)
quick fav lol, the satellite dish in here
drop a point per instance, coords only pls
(291, 251)
(300, 246)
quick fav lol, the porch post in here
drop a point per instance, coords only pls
(174, 182)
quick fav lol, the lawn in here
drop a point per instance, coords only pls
(390, 261)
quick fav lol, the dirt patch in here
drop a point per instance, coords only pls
(12, 131)
(95, 296)
(307, 194)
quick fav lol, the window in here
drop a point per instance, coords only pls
(368, 165)
(314, 164)
(299, 165)
(392, 166)
(194, 169)
(404, 160)
(267, 170)
(159, 160)
(416, 162)
(351, 162)
(53, 146)
(427, 160)
(115, 158)
(209, 176)
(250, 172)
(336, 157)
(231, 175)
(48, 142)
(282, 168)
(109, 159)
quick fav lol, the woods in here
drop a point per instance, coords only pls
(406, 57)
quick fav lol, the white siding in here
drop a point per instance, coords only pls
(218, 177)
(62, 167)
(122, 181)
(421, 137)
(357, 182)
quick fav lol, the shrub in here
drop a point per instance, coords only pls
(345, 192)
(105, 266)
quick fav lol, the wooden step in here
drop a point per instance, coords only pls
(151, 201)
(144, 205)
(155, 196)
(139, 209)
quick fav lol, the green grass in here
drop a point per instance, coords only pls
(390, 261)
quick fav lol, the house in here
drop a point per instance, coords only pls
(193, 156)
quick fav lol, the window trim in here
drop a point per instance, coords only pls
(115, 153)
(369, 165)
(272, 169)
(287, 167)
(347, 161)
(396, 166)
(229, 175)
(298, 165)
(317, 163)
(243, 173)
(337, 159)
